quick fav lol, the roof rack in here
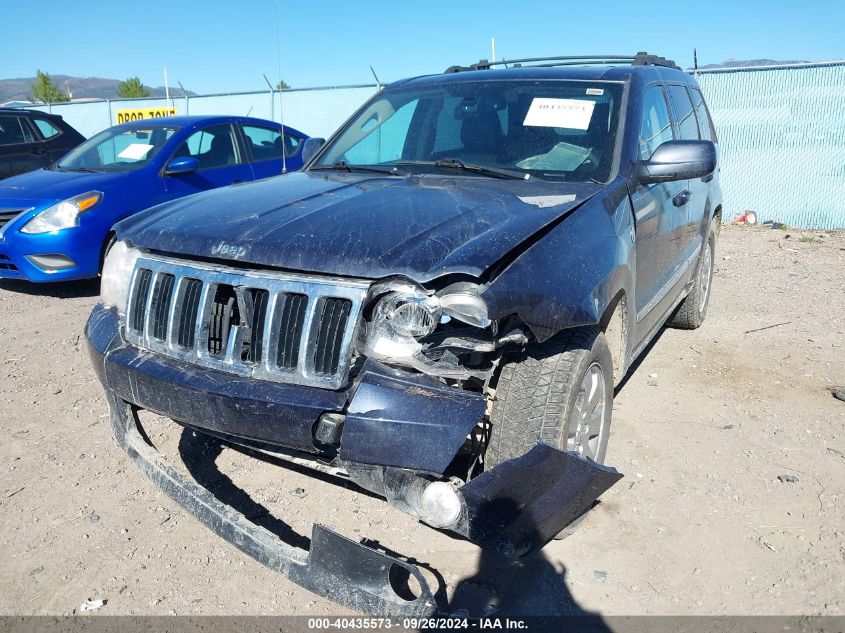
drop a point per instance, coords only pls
(640, 59)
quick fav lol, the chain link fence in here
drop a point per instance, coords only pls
(782, 141)
(781, 131)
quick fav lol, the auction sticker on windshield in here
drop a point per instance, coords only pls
(574, 114)
(136, 151)
(141, 114)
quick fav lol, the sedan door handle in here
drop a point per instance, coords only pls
(682, 198)
(38, 150)
(708, 177)
(237, 181)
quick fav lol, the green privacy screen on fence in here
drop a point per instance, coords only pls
(782, 142)
(781, 132)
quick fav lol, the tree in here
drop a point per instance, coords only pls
(282, 85)
(45, 90)
(132, 88)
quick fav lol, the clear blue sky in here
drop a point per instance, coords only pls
(215, 46)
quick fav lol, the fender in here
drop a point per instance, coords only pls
(572, 275)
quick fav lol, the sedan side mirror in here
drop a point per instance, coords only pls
(182, 165)
(678, 160)
(310, 149)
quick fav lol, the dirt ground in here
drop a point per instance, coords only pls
(701, 523)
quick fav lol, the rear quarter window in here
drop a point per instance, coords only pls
(47, 129)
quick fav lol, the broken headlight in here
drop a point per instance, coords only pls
(408, 316)
(399, 320)
(406, 320)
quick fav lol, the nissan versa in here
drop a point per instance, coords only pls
(437, 308)
(56, 223)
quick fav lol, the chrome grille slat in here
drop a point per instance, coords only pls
(279, 343)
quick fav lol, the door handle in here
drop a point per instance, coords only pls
(237, 181)
(38, 150)
(708, 177)
(682, 198)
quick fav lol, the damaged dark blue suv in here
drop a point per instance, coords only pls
(436, 309)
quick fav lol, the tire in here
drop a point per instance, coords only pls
(538, 392)
(691, 313)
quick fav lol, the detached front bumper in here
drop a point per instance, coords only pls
(513, 508)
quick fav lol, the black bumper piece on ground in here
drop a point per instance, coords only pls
(335, 567)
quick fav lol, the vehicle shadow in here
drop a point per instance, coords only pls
(529, 586)
(199, 453)
(636, 364)
(63, 290)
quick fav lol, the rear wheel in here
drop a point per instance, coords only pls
(693, 309)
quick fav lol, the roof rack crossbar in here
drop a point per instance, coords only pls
(640, 59)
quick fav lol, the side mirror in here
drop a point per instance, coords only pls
(310, 149)
(678, 160)
(182, 165)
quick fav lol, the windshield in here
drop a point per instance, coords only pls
(548, 129)
(118, 149)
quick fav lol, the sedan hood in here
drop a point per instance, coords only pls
(47, 185)
(358, 225)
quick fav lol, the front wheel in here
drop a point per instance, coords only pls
(560, 392)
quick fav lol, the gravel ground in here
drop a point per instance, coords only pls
(702, 430)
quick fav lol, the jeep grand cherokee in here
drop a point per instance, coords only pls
(437, 308)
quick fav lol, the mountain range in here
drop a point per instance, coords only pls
(79, 88)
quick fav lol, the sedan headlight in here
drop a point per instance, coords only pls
(117, 271)
(62, 215)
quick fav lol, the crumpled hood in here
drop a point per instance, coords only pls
(49, 186)
(366, 226)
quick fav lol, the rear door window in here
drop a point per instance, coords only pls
(13, 131)
(266, 142)
(656, 127)
(684, 115)
(705, 124)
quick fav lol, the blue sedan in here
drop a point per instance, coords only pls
(55, 223)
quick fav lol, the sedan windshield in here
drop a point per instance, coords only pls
(546, 129)
(118, 149)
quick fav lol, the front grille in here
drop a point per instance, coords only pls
(332, 324)
(6, 264)
(279, 327)
(7, 215)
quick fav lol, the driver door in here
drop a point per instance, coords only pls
(220, 160)
(659, 218)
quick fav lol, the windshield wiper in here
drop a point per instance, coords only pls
(342, 165)
(86, 170)
(454, 163)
